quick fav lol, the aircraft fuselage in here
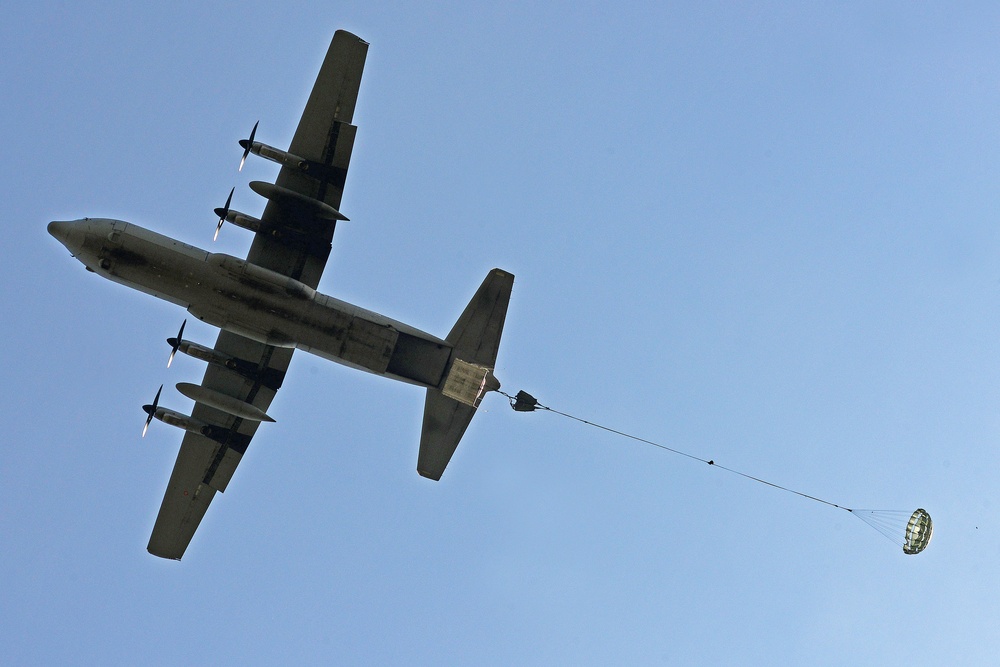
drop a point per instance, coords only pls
(263, 305)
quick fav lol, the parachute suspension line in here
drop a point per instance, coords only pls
(525, 402)
(890, 523)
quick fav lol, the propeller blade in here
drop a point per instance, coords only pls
(249, 145)
(223, 212)
(150, 411)
(176, 343)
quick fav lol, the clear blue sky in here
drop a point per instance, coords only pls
(764, 234)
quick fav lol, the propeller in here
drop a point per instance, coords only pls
(223, 212)
(175, 343)
(151, 410)
(248, 145)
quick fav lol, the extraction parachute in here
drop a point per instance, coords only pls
(918, 532)
(913, 533)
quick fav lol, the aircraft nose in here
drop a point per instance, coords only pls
(70, 234)
(58, 229)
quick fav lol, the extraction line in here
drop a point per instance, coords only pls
(913, 534)
(525, 402)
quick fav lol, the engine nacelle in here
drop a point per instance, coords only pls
(240, 219)
(269, 377)
(198, 351)
(185, 422)
(273, 154)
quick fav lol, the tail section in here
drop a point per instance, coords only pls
(475, 339)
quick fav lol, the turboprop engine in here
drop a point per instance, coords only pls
(209, 397)
(268, 377)
(239, 219)
(283, 158)
(174, 418)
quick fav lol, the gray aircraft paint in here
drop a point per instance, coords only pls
(265, 306)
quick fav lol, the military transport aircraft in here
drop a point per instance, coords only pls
(267, 305)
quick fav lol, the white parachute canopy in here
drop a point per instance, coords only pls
(912, 533)
(918, 532)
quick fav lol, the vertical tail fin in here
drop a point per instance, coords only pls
(475, 339)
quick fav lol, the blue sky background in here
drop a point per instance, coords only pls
(762, 233)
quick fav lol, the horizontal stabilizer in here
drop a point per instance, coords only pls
(445, 421)
(476, 340)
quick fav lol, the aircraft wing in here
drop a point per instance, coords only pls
(293, 241)
(206, 464)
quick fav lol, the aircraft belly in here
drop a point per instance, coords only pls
(368, 344)
(316, 326)
(153, 264)
(159, 292)
(259, 317)
(419, 359)
(350, 339)
(169, 287)
(249, 301)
